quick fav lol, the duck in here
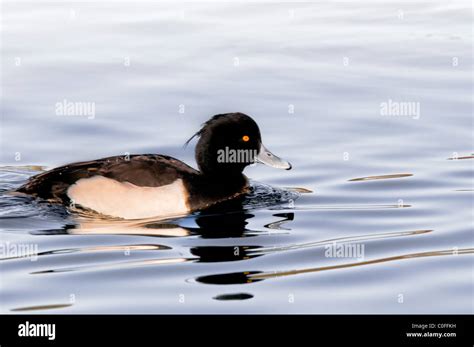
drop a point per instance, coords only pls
(153, 185)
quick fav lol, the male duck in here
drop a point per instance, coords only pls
(152, 185)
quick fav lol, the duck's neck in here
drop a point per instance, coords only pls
(208, 190)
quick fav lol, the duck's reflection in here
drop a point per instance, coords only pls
(213, 254)
(208, 226)
(230, 278)
(213, 224)
(139, 228)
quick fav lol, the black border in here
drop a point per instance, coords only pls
(311, 330)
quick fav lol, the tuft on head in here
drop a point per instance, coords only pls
(215, 118)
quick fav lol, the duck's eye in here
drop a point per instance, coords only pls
(245, 138)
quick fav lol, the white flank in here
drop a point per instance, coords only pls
(126, 200)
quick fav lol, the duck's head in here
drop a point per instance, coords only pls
(230, 142)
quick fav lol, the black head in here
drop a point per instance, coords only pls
(229, 142)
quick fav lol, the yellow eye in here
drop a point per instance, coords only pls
(245, 138)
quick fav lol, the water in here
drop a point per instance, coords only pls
(314, 76)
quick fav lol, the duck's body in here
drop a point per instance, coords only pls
(152, 185)
(136, 186)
